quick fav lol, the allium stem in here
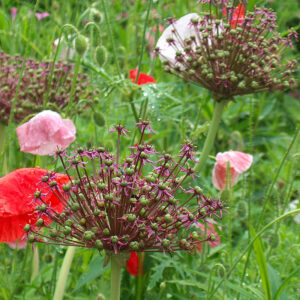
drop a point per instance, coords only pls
(115, 271)
(210, 138)
(63, 275)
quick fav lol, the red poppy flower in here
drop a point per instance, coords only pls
(238, 15)
(143, 78)
(17, 200)
(133, 264)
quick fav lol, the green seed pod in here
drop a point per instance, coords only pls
(134, 245)
(98, 244)
(40, 222)
(101, 56)
(26, 227)
(81, 44)
(99, 119)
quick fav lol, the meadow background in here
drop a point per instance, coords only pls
(265, 125)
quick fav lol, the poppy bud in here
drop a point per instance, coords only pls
(101, 56)
(99, 119)
(81, 44)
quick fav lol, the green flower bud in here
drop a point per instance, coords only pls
(81, 44)
(101, 56)
(67, 230)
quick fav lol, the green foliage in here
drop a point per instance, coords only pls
(263, 125)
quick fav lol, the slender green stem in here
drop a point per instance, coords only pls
(35, 263)
(210, 138)
(63, 275)
(115, 271)
(133, 108)
(110, 32)
(270, 189)
(139, 286)
(2, 147)
(143, 41)
(77, 66)
(249, 247)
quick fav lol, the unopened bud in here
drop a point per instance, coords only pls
(81, 44)
(101, 56)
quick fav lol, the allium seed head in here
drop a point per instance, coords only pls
(229, 51)
(107, 207)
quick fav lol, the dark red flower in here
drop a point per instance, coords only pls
(133, 264)
(143, 78)
(17, 200)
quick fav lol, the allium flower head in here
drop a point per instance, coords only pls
(228, 50)
(34, 86)
(126, 205)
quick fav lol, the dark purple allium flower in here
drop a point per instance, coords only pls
(133, 205)
(34, 86)
(228, 50)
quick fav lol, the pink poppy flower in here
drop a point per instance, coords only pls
(41, 16)
(45, 133)
(13, 12)
(210, 230)
(239, 162)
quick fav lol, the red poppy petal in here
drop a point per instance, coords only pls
(133, 264)
(143, 78)
(16, 200)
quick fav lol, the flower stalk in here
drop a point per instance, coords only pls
(63, 275)
(115, 271)
(210, 138)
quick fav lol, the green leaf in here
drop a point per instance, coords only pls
(275, 283)
(261, 262)
(96, 269)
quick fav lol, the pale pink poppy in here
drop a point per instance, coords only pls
(45, 133)
(19, 243)
(239, 162)
(41, 16)
(13, 12)
(210, 231)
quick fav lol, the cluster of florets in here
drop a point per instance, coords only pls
(34, 86)
(114, 206)
(229, 51)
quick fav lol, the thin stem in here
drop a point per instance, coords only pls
(63, 275)
(77, 66)
(110, 32)
(35, 263)
(139, 285)
(133, 109)
(143, 41)
(115, 272)
(2, 148)
(210, 138)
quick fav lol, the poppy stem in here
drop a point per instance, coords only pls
(2, 148)
(63, 275)
(210, 138)
(35, 263)
(77, 66)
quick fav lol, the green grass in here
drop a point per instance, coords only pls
(263, 124)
